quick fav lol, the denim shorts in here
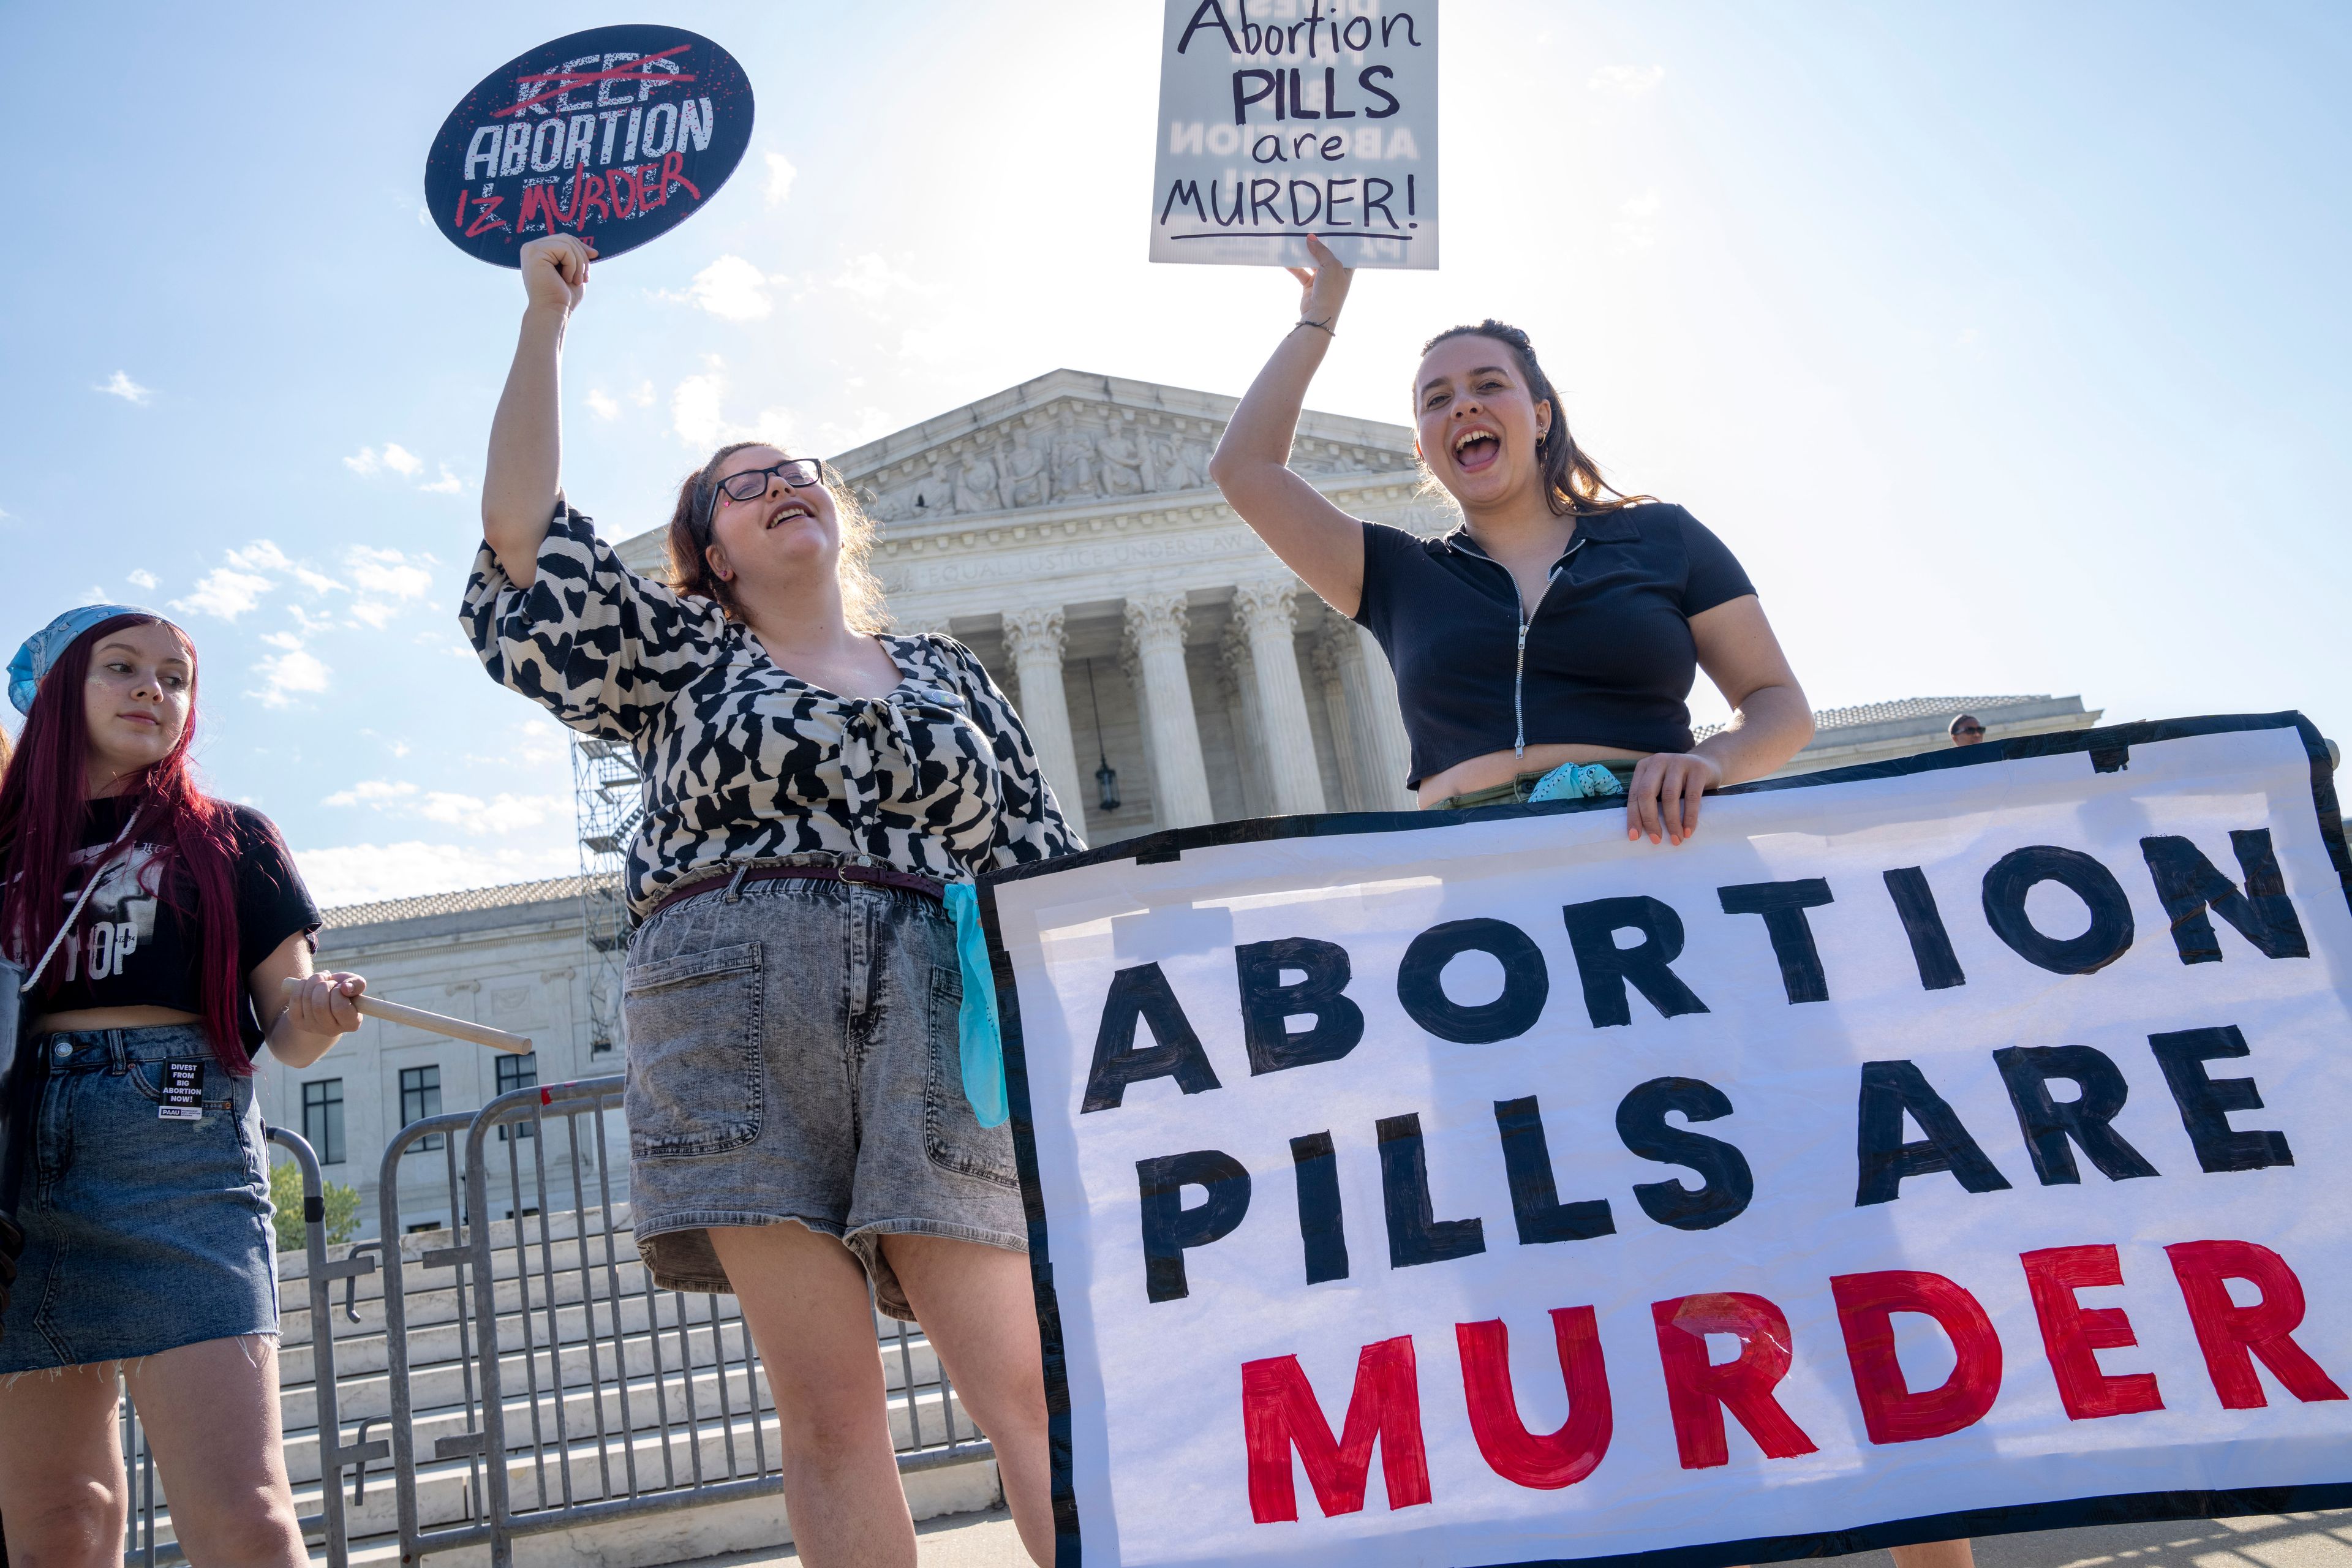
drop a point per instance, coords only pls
(793, 1056)
(143, 1232)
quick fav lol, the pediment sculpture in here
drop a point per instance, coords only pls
(1071, 453)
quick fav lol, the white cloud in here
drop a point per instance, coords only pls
(602, 405)
(397, 458)
(1636, 227)
(501, 813)
(644, 395)
(261, 555)
(363, 873)
(697, 413)
(123, 388)
(370, 792)
(387, 580)
(870, 276)
(539, 739)
(224, 592)
(293, 673)
(730, 289)
(780, 174)
(388, 572)
(142, 578)
(1626, 81)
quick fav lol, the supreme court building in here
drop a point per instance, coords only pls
(1163, 658)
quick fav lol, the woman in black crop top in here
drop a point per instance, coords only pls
(162, 926)
(1557, 631)
(1560, 624)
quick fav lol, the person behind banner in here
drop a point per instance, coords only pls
(1545, 647)
(159, 926)
(806, 1084)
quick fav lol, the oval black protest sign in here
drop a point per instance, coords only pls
(616, 134)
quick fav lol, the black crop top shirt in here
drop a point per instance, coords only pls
(1609, 659)
(136, 942)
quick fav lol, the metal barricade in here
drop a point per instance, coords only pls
(142, 1544)
(587, 1394)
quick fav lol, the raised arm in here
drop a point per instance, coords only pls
(1315, 539)
(526, 462)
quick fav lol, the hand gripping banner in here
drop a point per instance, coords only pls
(1942, 1148)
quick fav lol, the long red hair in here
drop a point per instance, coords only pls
(45, 808)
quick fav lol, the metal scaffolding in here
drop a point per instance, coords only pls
(608, 797)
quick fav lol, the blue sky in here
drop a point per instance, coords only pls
(2005, 342)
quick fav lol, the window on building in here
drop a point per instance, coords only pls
(420, 1096)
(518, 1072)
(322, 1119)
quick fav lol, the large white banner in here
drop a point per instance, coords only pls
(1949, 1147)
(1279, 119)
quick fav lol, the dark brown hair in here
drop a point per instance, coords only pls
(1572, 481)
(690, 543)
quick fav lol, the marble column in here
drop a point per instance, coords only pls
(1249, 730)
(1033, 641)
(1333, 689)
(1181, 778)
(1372, 704)
(1265, 610)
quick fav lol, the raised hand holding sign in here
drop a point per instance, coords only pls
(615, 135)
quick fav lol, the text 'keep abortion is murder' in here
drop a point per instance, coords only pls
(1285, 118)
(615, 135)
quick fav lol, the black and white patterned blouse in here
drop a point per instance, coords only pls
(743, 761)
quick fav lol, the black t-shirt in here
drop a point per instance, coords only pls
(136, 944)
(1609, 659)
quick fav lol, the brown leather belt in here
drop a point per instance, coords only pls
(878, 876)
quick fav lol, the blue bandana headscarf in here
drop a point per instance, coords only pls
(40, 652)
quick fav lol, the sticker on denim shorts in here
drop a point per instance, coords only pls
(184, 1092)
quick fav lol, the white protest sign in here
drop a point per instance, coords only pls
(1954, 1148)
(1279, 119)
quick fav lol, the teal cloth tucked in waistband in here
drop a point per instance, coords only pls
(979, 1044)
(1577, 781)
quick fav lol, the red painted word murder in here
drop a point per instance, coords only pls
(1282, 1413)
(620, 194)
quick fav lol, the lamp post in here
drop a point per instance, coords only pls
(1106, 777)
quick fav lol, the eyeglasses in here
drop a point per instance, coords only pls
(1969, 729)
(753, 483)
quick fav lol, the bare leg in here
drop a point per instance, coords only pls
(211, 1413)
(62, 1489)
(981, 1315)
(1936, 1555)
(805, 1296)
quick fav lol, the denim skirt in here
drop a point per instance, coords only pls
(794, 1057)
(144, 1231)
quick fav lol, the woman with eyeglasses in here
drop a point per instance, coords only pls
(812, 1111)
(1545, 648)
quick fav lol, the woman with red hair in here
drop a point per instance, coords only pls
(159, 927)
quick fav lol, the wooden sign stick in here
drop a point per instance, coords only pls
(437, 1022)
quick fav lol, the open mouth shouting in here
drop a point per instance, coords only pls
(1477, 447)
